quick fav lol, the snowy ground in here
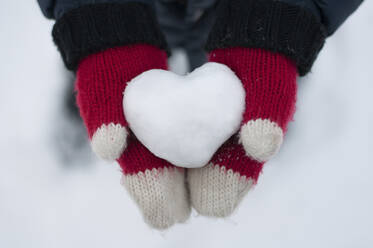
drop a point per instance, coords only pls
(316, 193)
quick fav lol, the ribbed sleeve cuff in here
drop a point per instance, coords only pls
(94, 28)
(269, 24)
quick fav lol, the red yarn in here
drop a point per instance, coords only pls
(269, 80)
(232, 156)
(138, 158)
(102, 78)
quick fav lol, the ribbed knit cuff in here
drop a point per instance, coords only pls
(269, 24)
(97, 27)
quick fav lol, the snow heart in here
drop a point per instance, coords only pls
(185, 119)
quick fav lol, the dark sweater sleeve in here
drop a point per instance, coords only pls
(294, 28)
(92, 28)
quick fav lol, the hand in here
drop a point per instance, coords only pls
(269, 81)
(157, 187)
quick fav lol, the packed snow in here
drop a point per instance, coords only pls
(317, 192)
(185, 119)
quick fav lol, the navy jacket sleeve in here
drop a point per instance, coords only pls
(331, 13)
(335, 12)
(46, 7)
(54, 9)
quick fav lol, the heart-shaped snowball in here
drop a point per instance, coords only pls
(185, 119)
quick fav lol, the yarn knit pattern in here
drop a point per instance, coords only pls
(155, 185)
(269, 80)
(109, 44)
(102, 78)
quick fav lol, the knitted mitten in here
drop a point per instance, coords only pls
(108, 45)
(266, 43)
(217, 188)
(156, 186)
(101, 81)
(269, 81)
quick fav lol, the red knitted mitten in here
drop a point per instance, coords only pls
(156, 186)
(101, 80)
(269, 81)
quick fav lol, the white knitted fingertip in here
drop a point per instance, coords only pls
(261, 139)
(216, 191)
(161, 195)
(109, 141)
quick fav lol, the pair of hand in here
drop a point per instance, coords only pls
(159, 188)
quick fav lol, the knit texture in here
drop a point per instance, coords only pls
(269, 80)
(102, 79)
(155, 185)
(137, 158)
(93, 28)
(217, 189)
(109, 45)
(232, 156)
(261, 138)
(160, 194)
(269, 24)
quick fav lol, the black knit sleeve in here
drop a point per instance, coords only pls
(269, 24)
(97, 27)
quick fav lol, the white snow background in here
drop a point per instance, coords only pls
(317, 192)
